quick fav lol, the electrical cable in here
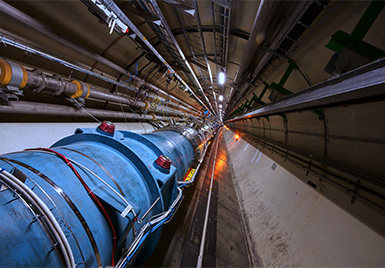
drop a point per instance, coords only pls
(93, 197)
(149, 80)
(45, 211)
(150, 71)
(84, 109)
(132, 75)
(105, 183)
(57, 209)
(306, 77)
(21, 46)
(145, 232)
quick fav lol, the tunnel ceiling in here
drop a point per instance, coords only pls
(177, 48)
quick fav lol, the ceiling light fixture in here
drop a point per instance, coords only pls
(220, 105)
(221, 78)
(220, 98)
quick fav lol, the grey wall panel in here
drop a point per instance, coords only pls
(356, 135)
(306, 132)
(277, 128)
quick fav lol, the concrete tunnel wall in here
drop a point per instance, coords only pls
(290, 223)
(351, 134)
(310, 52)
(19, 136)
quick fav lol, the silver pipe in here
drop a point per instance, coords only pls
(56, 86)
(290, 22)
(172, 37)
(295, 15)
(199, 25)
(357, 85)
(38, 81)
(38, 26)
(100, 95)
(43, 29)
(112, 6)
(145, 228)
(149, 209)
(180, 107)
(95, 94)
(33, 108)
(261, 22)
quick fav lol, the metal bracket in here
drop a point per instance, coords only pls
(9, 96)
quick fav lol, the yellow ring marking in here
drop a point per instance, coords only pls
(6, 73)
(89, 91)
(25, 77)
(145, 107)
(79, 92)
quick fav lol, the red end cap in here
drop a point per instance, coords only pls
(163, 161)
(107, 127)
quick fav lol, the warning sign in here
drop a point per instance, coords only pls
(190, 175)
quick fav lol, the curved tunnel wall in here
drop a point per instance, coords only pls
(292, 224)
(350, 134)
(340, 156)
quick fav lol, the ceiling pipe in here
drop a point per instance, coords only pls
(294, 15)
(290, 22)
(111, 6)
(100, 95)
(40, 27)
(56, 85)
(67, 64)
(361, 85)
(30, 22)
(167, 28)
(33, 108)
(265, 12)
(38, 81)
(199, 25)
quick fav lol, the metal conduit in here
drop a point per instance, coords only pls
(100, 95)
(56, 86)
(357, 85)
(300, 8)
(43, 29)
(111, 6)
(38, 81)
(297, 12)
(261, 22)
(33, 108)
(302, 163)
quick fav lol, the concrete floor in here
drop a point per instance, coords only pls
(226, 238)
(261, 215)
(292, 224)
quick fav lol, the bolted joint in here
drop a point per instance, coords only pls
(107, 127)
(163, 161)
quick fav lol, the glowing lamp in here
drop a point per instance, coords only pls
(221, 78)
